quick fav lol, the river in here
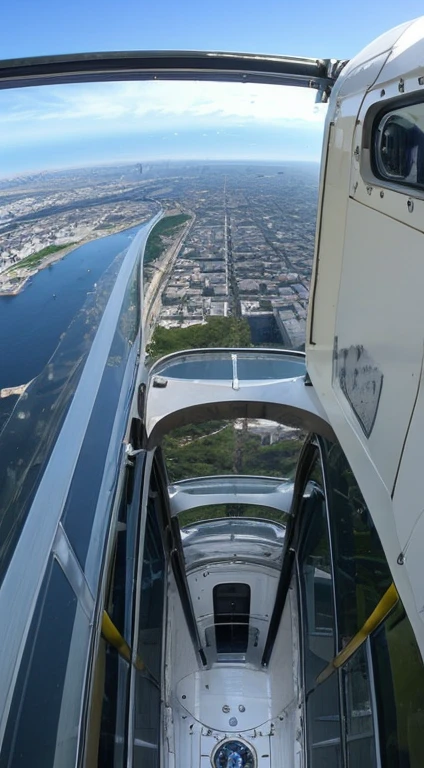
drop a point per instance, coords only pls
(32, 322)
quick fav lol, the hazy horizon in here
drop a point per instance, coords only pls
(66, 126)
(156, 162)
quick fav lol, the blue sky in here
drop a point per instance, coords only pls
(73, 125)
(301, 27)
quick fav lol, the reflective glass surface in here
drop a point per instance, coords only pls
(34, 727)
(362, 574)
(256, 447)
(225, 366)
(399, 678)
(323, 705)
(231, 174)
(233, 538)
(399, 145)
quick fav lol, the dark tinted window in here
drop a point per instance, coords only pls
(399, 145)
(322, 705)
(360, 740)
(147, 695)
(399, 679)
(50, 348)
(231, 604)
(112, 671)
(31, 731)
(83, 497)
(361, 571)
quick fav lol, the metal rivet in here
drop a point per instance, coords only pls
(233, 722)
(401, 559)
(242, 708)
(401, 86)
(369, 190)
(183, 696)
(356, 152)
(381, 193)
(226, 709)
(410, 205)
(421, 80)
(382, 93)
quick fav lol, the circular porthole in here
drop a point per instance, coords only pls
(233, 754)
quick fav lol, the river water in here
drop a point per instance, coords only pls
(32, 323)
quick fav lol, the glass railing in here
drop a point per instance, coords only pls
(92, 363)
(239, 365)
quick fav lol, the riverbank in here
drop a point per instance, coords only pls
(9, 288)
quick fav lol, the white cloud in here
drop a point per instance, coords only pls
(34, 114)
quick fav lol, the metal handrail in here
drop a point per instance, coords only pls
(380, 612)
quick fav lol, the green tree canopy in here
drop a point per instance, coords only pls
(216, 332)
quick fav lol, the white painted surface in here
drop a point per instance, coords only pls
(263, 586)
(288, 402)
(206, 693)
(367, 281)
(284, 662)
(380, 306)
(263, 701)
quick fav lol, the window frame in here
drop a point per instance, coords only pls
(152, 477)
(310, 459)
(369, 171)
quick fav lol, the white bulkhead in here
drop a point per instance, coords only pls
(366, 319)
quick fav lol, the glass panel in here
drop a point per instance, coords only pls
(322, 707)
(112, 672)
(199, 514)
(147, 715)
(358, 712)
(244, 446)
(32, 727)
(83, 496)
(113, 679)
(248, 539)
(329, 756)
(225, 366)
(361, 570)
(399, 145)
(399, 679)
(66, 333)
(234, 170)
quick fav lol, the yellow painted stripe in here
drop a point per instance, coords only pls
(114, 637)
(387, 602)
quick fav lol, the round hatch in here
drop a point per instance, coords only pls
(233, 753)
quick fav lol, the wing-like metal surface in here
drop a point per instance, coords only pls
(268, 492)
